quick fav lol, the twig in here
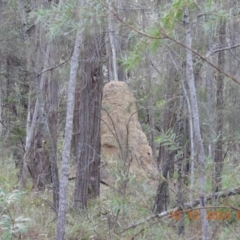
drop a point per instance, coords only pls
(51, 68)
(223, 49)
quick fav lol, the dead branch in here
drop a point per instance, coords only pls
(187, 206)
(53, 67)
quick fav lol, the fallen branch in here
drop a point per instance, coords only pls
(187, 206)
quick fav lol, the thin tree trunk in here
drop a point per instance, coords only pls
(29, 139)
(60, 229)
(191, 135)
(150, 95)
(192, 150)
(198, 144)
(50, 131)
(112, 44)
(179, 160)
(1, 82)
(151, 120)
(165, 156)
(24, 169)
(40, 155)
(23, 17)
(218, 156)
(209, 90)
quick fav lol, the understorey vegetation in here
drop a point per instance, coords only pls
(179, 61)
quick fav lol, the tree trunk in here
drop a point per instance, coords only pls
(49, 120)
(198, 144)
(40, 150)
(112, 33)
(115, 46)
(150, 94)
(179, 160)
(165, 158)
(89, 146)
(60, 229)
(218, 157)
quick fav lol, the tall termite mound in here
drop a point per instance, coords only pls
(122, 138)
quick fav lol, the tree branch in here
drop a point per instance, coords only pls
(164, 35)
(51, 68)
(224, 49)
(187, 206)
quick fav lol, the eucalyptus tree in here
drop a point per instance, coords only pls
(87, 144)
(13, 87)
(41, 131)
(86, 72)
(198, 143)
(178, 11)
(219, 156)
(117, 37)
(60, 229)
(88, 107)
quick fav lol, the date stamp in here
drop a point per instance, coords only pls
(211, 215)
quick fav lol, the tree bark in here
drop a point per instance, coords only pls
(165, 158)
(179, 160)
(218, 156)
(198, 144)
(60, 229)
(40, 150)
(89, 146)
(112, 33)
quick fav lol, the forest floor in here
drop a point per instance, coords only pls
(29, 214)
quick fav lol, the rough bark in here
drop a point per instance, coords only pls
(49, 121)
(89, 146)
(1, 80)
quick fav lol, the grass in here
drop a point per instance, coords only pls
(107, 217)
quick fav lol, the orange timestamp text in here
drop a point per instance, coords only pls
(211, 215)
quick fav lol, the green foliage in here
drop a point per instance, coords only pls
(168, 140)
(215, 14)
(17, 134)
(12, 4)
(134, 57)
(173, 14)
(58, 20)
(170, 15)
(67, 18)
(155, 33)
(10, 224)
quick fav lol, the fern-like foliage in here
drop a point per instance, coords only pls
(168, 140)
(10, 224)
